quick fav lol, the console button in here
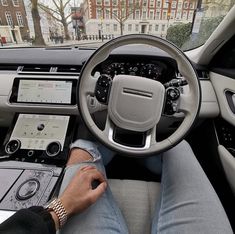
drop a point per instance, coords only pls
(27, 189)
(12, 146)
(53, 149)
(40, 127)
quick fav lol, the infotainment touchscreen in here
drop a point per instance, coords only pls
(45, 91)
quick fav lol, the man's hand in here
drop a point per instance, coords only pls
(80, 194)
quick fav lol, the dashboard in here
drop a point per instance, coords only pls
(32, 78)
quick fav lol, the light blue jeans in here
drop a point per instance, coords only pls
(188, 203)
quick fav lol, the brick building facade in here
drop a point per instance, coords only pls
(140, 16)
(13, 22)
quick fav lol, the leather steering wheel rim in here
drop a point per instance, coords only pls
(189, 103)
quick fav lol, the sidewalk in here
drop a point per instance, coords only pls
(65, 43)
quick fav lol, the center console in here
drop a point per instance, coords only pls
(35, 150)
(36, 147)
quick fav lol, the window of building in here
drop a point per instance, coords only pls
(15, 3)
(150, 28)
(156, 27)
(114, 2)
(191, 5)
(173, 4)
(107, 27)
(130, 2)
(190, 15)
(163, 27)
(4, 2)
(178, 15)
(164, 15)
(184, 15)
(9, 18)
(129, 27)
(19, 19)
(0, 21)
(106, 2)
(151, 3)
(99, 14)
(107, 14)
(115, 27)
(98, 2)
(165, 5)
(151, 15)
(186, 4)
(137, 14)
(157, 15)
(159, 4)
(137, 28)
(172, 14)
(179, 5)
(144, 3)
(115, 13)
(144, 15)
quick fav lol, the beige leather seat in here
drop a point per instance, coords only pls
(137, 201)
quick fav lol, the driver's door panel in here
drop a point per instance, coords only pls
(225, 89)
(221, 85)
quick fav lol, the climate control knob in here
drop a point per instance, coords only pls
(12, 146)
(53, 149)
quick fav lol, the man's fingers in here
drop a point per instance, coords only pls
(99, 190)
(96, 175)
(85, 168)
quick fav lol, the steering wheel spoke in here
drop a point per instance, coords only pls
(149, 139)
(185, 104)
(90, 85)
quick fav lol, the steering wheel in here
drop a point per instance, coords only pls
(135, 104)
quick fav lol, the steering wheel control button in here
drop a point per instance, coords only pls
(104, 81)
(102, 88)
(53, 149)
(27, 189)
(173, 93)
(12, 146)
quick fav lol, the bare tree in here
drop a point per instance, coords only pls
(57, 10)
(124, 11)
(38, 40)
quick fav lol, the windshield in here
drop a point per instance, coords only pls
(186, 23)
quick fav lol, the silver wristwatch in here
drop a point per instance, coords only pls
(58, 208)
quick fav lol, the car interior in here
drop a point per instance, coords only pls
(50, 97)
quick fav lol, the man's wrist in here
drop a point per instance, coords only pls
(55, 219)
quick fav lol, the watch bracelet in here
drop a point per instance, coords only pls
(58, 208)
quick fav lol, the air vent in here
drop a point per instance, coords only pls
(7, 67)
(50, 70)
(69, 69)
(34, 69)
(203, 74)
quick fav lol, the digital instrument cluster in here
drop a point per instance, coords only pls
(155, 70)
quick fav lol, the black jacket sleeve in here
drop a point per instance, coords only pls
(34, 220)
